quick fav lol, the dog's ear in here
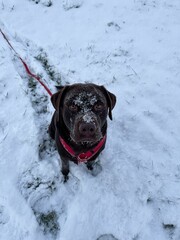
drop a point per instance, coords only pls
(111, 100)
(57, 97)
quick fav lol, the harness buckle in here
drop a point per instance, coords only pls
(82, 157)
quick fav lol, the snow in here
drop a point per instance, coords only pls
(84, 98)
(88, 118)
(132, 48)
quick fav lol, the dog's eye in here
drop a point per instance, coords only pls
(73, 108)
(98, 106)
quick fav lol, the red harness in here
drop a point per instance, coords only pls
(84, 156)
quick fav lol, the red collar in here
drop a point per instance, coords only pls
(83, 157)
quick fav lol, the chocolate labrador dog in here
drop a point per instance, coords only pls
(79, 123)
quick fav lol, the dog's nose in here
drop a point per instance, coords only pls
(87, 129)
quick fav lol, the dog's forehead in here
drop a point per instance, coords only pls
(84, 95)
(85, 98)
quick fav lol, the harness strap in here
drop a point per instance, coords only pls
(84, 156)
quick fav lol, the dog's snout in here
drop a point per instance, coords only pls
(87, 129)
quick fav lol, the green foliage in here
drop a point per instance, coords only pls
(42, 57)
(48, 222)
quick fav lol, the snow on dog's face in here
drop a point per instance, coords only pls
(84, 109)
(85, 113)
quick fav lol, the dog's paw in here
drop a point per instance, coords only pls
(66, 177)
(95, 168)
(90, 167)
(73, 184)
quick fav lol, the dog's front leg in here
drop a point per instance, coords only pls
(51, 129)
(90, 165)
(65, 168)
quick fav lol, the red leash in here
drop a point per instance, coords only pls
(26, 66)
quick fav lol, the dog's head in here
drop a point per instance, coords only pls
(84, 109)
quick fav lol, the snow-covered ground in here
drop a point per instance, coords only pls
(133, 48)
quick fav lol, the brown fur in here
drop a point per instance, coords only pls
(80, 118)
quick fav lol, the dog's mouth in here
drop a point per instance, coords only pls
(90, 141)
(86, 141)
